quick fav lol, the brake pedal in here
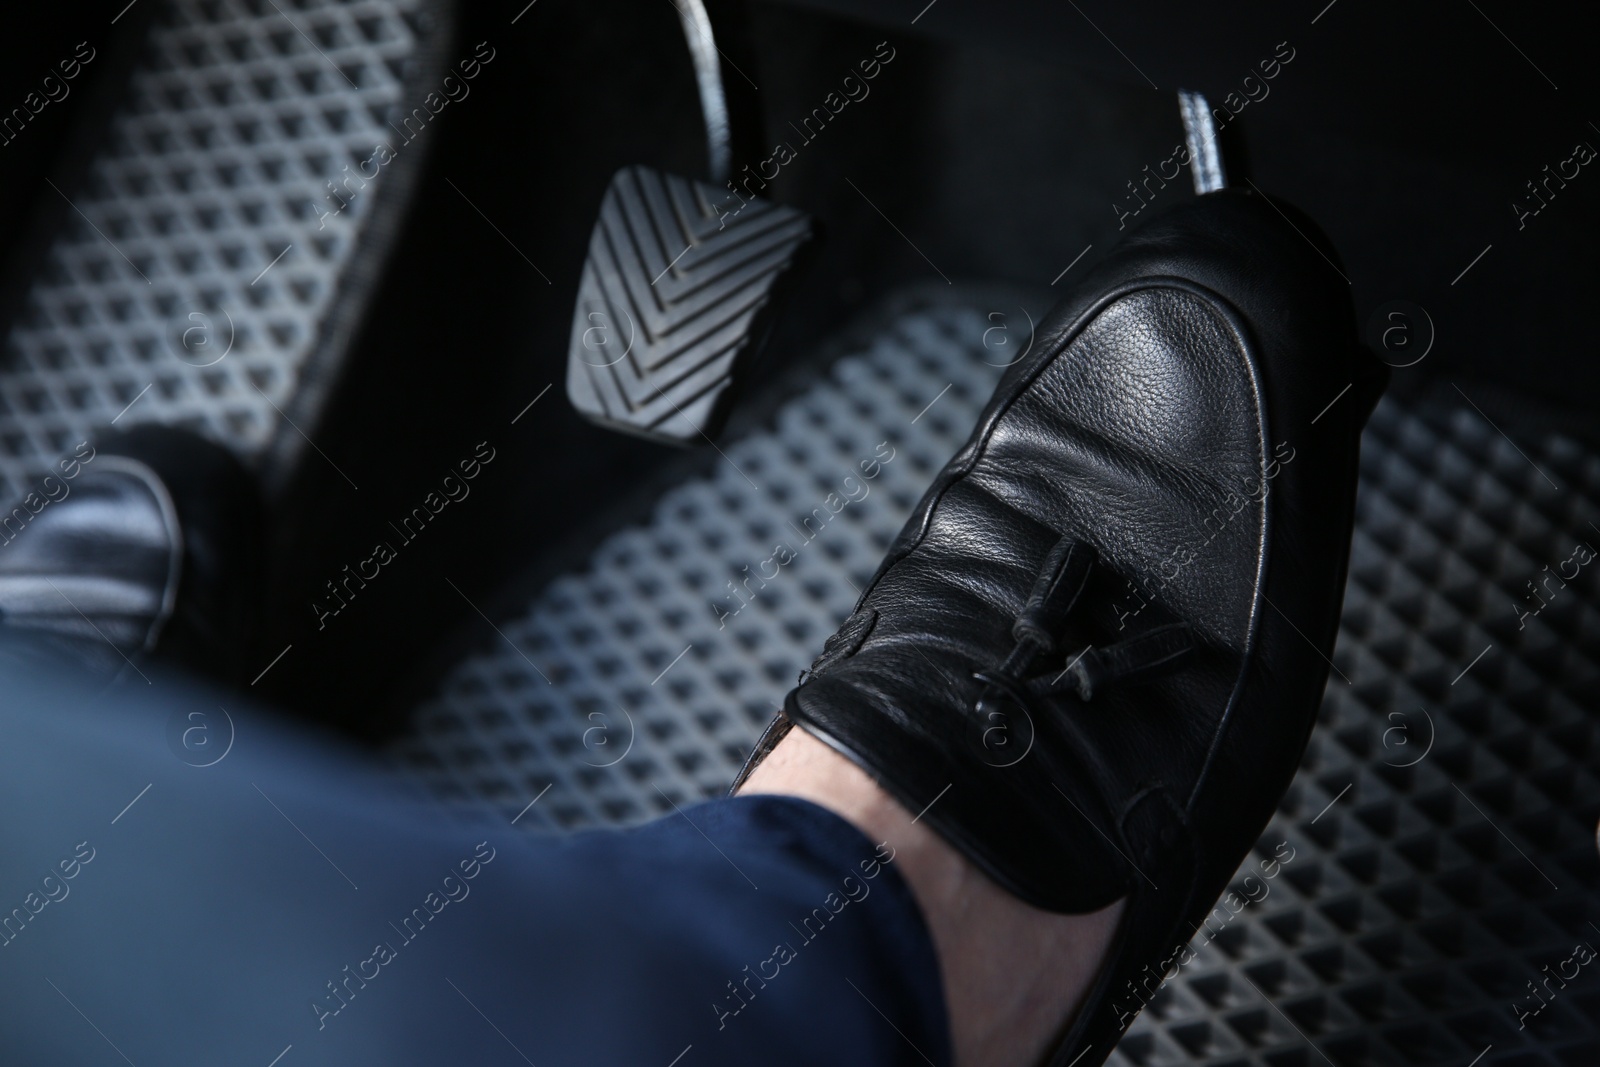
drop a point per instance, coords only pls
(679, 284)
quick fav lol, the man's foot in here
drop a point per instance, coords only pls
(140, 539)
(1093, 657)
(1012, 973)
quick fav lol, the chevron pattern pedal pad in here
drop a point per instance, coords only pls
(676, 297)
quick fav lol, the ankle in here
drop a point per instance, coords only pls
(1012, 974)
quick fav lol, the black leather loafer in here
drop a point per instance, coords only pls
(1094, 655)
(141, 539)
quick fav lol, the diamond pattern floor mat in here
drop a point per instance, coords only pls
(1434, 865)
(194, 280)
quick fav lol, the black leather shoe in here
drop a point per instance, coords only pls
(1093, 656)
(140, 541)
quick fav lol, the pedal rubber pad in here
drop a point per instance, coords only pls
(675, 299)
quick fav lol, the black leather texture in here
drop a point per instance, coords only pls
(141, 539)
(1191, 415)
(95, 568)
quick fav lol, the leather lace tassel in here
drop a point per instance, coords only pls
(1062, 578)
(1136, 659)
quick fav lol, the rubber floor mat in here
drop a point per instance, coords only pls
(1433, 868)
(203, 275)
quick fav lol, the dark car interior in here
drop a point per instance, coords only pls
(347, 238)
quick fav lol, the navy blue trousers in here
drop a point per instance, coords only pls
(184, 881)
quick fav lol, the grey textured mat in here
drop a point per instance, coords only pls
(218, 218)
(1442, 827)
(660, 650)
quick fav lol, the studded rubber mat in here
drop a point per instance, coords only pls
(202, 275)
(1434, 875)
